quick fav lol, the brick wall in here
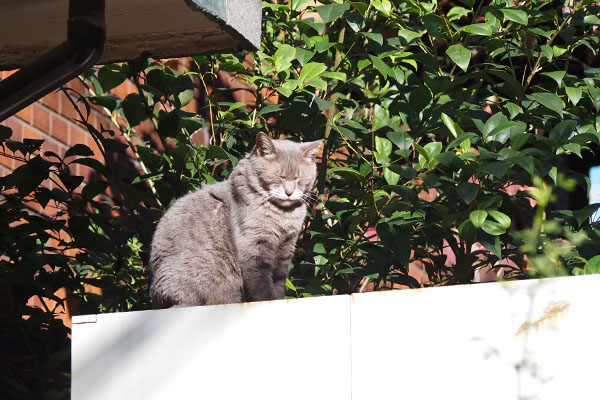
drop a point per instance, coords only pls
(52, 119)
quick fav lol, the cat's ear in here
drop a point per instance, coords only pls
(264, 145)
(311, 149)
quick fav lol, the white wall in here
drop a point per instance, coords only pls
(515, 340)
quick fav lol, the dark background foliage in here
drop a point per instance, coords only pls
(432, 113)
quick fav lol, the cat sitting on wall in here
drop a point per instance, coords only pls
(232, 241)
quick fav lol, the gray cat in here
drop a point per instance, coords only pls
(232, 241)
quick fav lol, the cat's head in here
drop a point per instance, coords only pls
(286, 170)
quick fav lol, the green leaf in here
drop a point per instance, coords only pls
(381, 66)
(513, 109)
(467, 231)
(340, 76)
(346, 172)
(408, 36)
(491, 242)
(268, 109)
(524, 162)
(592, 266)
(383, 146)
(459, 55)
(113, 146)
(216, 152)
(483, 29)
(591, 20)
(518, 16)
(403, 141)
(107, 102)
(495, 168)
(433, 149)
(152, 161)
(79, 150)
(134, 109)
(548, 52)
(92, 163)
(518, 141)
(311, 70)
(299, 5)
(395, 238)
(478, 217)
(492, 123)
(558, 51)
(287, 88)
(71, 182)
(419, 98)
(110, 76)
(303, 56)
(390, 177)
(548, 100)
(574, 94)
(331, 12)
(467, 191)
(506, 131)
(374, 37)
(383, 6)
(323, 104)
(454, 129)
(493, 228)
(457, 12)
(93, 189)
(501, 218)
(284, 55)
(321, 47)
(562, 131)
(290, 285)
(421, 151)
(354, 20)
(557, 76)
(448, 159)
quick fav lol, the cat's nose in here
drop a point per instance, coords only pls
(289, 192)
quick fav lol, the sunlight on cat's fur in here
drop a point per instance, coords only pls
(233, 241)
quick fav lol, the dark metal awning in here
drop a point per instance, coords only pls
(134, 28)
(53, 41)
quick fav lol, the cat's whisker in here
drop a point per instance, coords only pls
(309, 199)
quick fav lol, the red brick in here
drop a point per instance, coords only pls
(6, 74)
(25, 114)
(173, 63)
(125, 88)
(4, 171)
(41, 118)
(97, 153)
(7, 161)
(30, 133)
(77, 134)
(67, 108)
(59, 129)
(53, 146)
(77, 85)
(104, 123)
(52, 100)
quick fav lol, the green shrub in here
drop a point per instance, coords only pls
(430, 114)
